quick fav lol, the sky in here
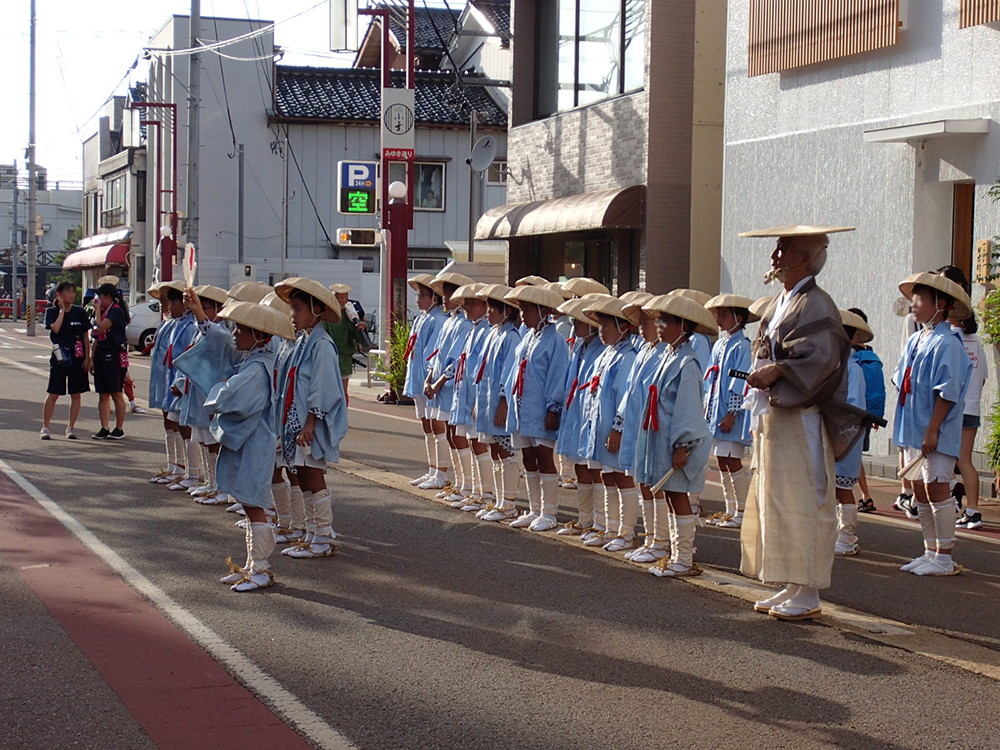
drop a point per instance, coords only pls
(84, 52)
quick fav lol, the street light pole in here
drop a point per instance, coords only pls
(32, 187)
(194, 127)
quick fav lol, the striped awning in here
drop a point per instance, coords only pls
(621, 208)
(96, 257)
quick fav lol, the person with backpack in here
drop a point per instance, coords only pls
(872, 368)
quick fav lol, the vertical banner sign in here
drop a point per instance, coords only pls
(398, 125)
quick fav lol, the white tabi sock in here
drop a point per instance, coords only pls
(629, 501)
(463, 474)
(847, 515)
(741, 485)
(310, 514)
(262, 538)
(482, 470)
(169, 445)
(728, 492)
(612, 518)
(926, 515)
(510, 480)
(193, 460)
(585, 504)
(550, 494)
(647, 520)
(282, 497)
(297, 509)
(600, 503)
(534, 485)
(323, 517)
(178, 443)
(431, 449)
(944, 514)
(441, 452)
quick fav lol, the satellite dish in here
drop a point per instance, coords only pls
(483, 153)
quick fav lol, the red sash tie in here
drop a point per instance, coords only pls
(907, 386)
(572, 392)
(519, 381)
(432, 355)
(571, 341)
(482, 369)
(168, 358)
(409, 346)
(713, 370)
(290, 393)
(593, 384)
(652, 412)
(460, 369)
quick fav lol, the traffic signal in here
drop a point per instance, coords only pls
(362, 237)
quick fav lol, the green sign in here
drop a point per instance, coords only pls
(357, 201)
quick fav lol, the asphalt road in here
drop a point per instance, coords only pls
(432, 630)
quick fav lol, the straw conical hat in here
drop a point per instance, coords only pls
(495, 292)
(698, 296)
(682, 307)
(159, 291)
(531, 281)
(574, 308)
(632, 303)
(315, 290)
(759, 306)
(733, 300)
(249, 291)
(421, 280)
(632, 294)
(534, 295)
(449, 277)
(260, 318)
(113, 280)
(853, 320)
(963, 305)
(214, 293)
(606, 306)
(467, 292)
(581, 285)
(274, 301)
(340, 288)
(795, 230)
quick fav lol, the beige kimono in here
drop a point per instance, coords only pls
(789, 526)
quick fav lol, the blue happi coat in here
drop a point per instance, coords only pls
(536, 383)
(157, 365)
(675, 420)
(724, 394)
(702, 350)
(495, 368)
(849, 466)
(192, 401)
(312, 385)
(608, 385)
(450, 343)
(181, 337)
(464, 399)
(578, 375)
(423, 338)
(241, 422)
(628, 421)
(934, 363)
(282, 349)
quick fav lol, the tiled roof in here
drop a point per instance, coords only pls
(498, 12)
(353, 94)
(425, 21)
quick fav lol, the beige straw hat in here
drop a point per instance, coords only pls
(632, 303)
(114, 280)
(260, 318)
(340, 288)
(853, 320)
(214, 293)
(421, 280)
(274, 301)
(581, 285)
(574, 308)
(682, 307)
(249, 291)
(698, 296)
(759, 306)
(606, 306)
(557, 287)
(531, 281)
(795, 230)
(449, 277)
(315, 290)
(534, 295)
(495, 292)
(159, 291)
(963, 305)
(733, 300)
(467, 292)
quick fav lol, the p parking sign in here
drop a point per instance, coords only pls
(357, 187)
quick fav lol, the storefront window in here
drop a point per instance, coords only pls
(586, 53)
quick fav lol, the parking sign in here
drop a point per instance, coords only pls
(357, 187)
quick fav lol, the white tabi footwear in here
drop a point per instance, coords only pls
(733, 522)
(472, 504)
(437, 481)
(525, 519)
(498, 514)
(485, 510)
(917, 562)
(621, 543)
(570, 529)
(649, 554)
(289, 536)
(599, 538)
(161, 477)
(213, 498)
(311, 550)
(544, 522)
(939, 567)
(764, 605)
(234, 508)
(421, 479)
(846, 550)
(184, 484)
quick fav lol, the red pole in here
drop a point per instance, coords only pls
(167, 249)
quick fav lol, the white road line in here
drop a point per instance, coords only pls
(283, 702)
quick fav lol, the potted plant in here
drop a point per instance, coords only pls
(395, 374)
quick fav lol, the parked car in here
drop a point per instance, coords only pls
(142, 328)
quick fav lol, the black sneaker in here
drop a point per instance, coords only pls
(117, 434)
(971, 521)
(901, 501)
(101, 434)
(910, 509)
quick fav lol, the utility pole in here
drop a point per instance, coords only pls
(32, 187)
(473, 119)
(239, 208)
(284, 200)
(194, 126)
(15, 247)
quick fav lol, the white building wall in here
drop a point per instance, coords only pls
(794, 153)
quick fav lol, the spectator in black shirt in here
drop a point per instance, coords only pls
(111, 317)
(69, 331)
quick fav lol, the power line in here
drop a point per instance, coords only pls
(225, 94)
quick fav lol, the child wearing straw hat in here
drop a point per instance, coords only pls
(494, 369)
(932, 378)
(628, 422)
(158, 384)
(585, 348)
(187, 455)
(439, 387)
(601, 398)
(532, 403)
(847, 470)
(674, 442)
(205, 302)
(728, 421)
(700, 341)
(475, 493)
(241, 421)
(419, 346)
(314, 410)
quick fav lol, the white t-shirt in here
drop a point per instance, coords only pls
(978, 377)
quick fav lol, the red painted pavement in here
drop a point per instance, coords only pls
(180, 696)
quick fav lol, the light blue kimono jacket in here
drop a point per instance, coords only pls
(241, 422)
(628, 421)
(934, 364)
(192, 401)
(724, 394)
(849, 467)
(312, 385)
(282, 349)
(157, 365)
(535, 384)
(423, 338)
(495, 368)
(463, 402)
(608, 385)
(702, 350)
(181, 337)
(450, 343)
(578, 375)
(676, 421)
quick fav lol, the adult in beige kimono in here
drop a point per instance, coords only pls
(800, 357)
